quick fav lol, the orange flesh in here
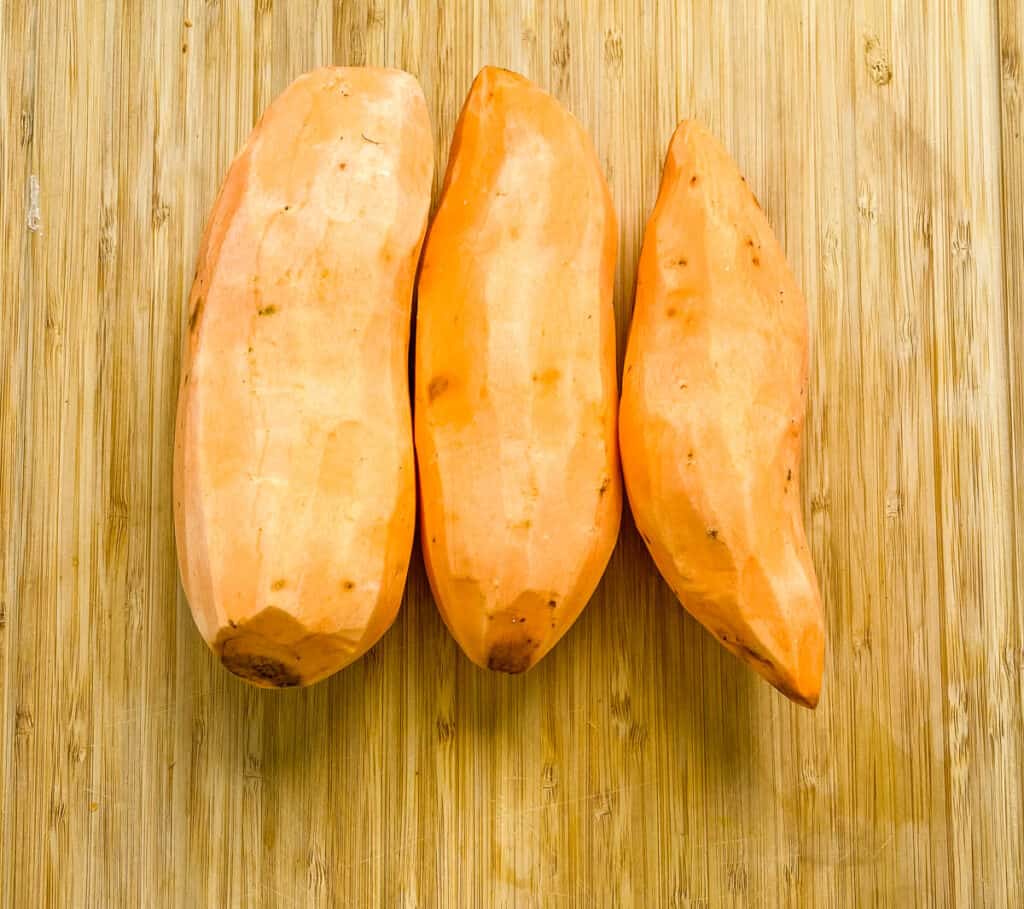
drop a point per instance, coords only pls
(515, 377)
(713, 401)
(294, 485)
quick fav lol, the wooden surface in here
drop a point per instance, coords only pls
(638, 764)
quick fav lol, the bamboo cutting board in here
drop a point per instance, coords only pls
(638, 764)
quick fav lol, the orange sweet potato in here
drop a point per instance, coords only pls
(294, 473)
(712, 411)
(516, 390)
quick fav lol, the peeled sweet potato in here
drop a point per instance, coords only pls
(516, 390)
(713, 401)
(294, 473)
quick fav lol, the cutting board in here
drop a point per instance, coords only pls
(639, 764)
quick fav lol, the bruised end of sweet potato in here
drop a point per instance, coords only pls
(274, 650)
(512, 655)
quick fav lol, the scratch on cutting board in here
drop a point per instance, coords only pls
(530, 809)
(34, 218)
(388, 854)
(145, 711)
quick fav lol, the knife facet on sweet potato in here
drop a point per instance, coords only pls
(294, 471)
(516, 390)
(713, 402)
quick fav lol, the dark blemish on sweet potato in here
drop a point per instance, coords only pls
(193, 319)
(682, 385)
(342, 166)
(349, 585)
(368, 139)
(693, 180)
(789, 474)
(713, 533)
(689, 456)
(267, 310)
(603, 488)
(552, 604)
(438, 386)
(233, 623)
(671, 312)
(752, 654)
(756, 261)
(279, 584)
(510, 656)
(260, 669)
(681, 262)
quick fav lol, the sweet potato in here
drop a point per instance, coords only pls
(516, 390)
(713, 401)
(294, 472)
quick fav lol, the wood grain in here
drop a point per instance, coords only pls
(638, 764)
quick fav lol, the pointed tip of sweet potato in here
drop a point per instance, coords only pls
(797, 673)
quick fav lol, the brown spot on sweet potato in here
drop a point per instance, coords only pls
(343, 165)
(279, 584)
(756, 261)
(552, 604)
(511, 656)
(671, 312)
(258, 668)
(693, 180)
(193, 318)
(349, 585)
(267, 310)
(437, 387)
(789, 474)
(603, 488)
(713, 533)
(753, 655)
(682, 262)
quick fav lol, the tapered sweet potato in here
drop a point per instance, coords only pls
(515, 376)
(294, 473)
(712, 411)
